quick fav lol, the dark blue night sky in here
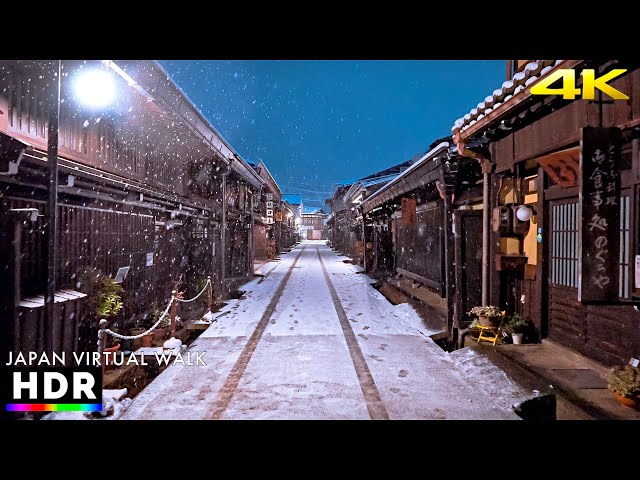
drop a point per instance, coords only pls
(318, 123)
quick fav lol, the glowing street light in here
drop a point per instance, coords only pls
(95, 88)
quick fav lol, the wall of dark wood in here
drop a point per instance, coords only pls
(608, 334)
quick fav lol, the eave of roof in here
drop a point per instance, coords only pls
(511, 93)
(261, 164)
(166, 91)
(371, 202)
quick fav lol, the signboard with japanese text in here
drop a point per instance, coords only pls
(562, 167)
(278, 216)
(599, 201)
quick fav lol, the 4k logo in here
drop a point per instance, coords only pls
(589, 84)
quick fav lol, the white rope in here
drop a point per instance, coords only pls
(164, 314)
(198, 295)
(134, 337)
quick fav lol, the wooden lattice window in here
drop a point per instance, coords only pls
(564, 244)
(625, 254)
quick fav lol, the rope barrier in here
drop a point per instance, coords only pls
(134, 337)
(164, 314)
(198, 295)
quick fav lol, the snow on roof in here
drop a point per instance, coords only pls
(427, 156)
(197, 120)
(376, 180)
(312, 211)
(531, 73)
(293, 198)
(362, 184)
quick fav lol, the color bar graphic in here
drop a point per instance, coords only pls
(54, 407)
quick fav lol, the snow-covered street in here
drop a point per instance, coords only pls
(314, 340)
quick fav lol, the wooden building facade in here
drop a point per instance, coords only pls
(344, 227)
(274, 221)
(341, 229)
(421, 226)
(313, 223)
(146, 183)
(535, 146)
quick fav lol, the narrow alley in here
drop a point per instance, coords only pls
(312, 339)
(242, 239)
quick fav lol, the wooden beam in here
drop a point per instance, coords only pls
(429, 283)
(556, 192)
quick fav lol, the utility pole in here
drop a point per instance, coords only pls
(52, 204)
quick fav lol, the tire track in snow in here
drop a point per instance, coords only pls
(233, 379)
(375, 406)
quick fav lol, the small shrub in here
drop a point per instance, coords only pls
(624, 380)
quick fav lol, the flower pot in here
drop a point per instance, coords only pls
(147, 340)
(109, 357)
(160, 333)
(630, 402)
(137, 343)
(489, 321)
(517, 338)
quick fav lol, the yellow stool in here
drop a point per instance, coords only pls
(489, 334)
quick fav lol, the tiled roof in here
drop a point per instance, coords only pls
(533, 71)
(430, 155)
(313, 211)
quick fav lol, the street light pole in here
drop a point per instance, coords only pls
(52, 204)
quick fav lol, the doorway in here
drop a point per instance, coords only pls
(468, 259)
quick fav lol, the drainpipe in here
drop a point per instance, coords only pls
(364, 243)
(445, 193)
(485, 163)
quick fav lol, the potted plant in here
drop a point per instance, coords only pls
(162, 330)
(109, 305)
(104, 295)
(517, 325)
(140, 328)
(105, 299)
(489, 316)
(624, 383)
(145, 323)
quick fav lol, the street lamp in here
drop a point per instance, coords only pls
(524, 213)
(94, 89)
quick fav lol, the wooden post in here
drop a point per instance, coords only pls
(209, 295)
(102, 344)
(173, 312)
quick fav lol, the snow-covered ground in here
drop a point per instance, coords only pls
(114, 404)
(301, 366)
